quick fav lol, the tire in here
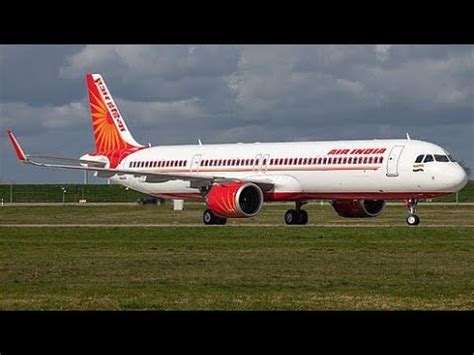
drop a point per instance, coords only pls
(302, 217)
(413, 220)
(221, 221)
(291, 217)
(208, 217)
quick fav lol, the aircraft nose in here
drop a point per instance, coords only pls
(458, 178)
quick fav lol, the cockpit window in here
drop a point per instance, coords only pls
(451, 158)
(442, 158)
(419, 159)
(428, 158)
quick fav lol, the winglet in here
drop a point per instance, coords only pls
(16, 146)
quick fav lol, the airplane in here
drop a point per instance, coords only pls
(235, 180)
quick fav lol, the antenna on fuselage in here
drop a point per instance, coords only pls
(408, 137)
(199, 142)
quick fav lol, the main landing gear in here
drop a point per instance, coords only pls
(412, 219)
(296, 216)
(210, 218)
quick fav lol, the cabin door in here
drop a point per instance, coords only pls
(195, 163)
(393, 160)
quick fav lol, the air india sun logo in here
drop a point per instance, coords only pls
(105, 132)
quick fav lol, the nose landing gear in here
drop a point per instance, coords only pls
(296, 216)
(412, 219)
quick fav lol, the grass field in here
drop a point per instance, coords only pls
(350, 264)
(74, 193)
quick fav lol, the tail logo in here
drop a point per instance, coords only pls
(110, 104)
(110, 130)
(105, 131)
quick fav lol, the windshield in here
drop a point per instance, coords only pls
(441, 158)
(419, 159)
(428, 158)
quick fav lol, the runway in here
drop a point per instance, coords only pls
(164, 225)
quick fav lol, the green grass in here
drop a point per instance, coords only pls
(74, 193)
(271, 214)
(228, 268)
(232, 267)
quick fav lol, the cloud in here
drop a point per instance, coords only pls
(176, 94)
(382, 51)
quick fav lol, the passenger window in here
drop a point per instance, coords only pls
(428, 158)
(441, 158)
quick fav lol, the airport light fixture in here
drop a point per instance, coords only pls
(64, 195)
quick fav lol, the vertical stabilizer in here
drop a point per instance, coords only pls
(110, 131)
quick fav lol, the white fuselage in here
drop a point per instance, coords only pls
(371, 169)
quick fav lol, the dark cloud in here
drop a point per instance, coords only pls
(177, 94)
(30, 74)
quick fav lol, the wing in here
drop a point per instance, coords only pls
(197, 181)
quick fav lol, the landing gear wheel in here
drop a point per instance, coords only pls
(302, 217)
(221, 221)
(296, 217)
(210, 218)
(413, 220)
(291, 217)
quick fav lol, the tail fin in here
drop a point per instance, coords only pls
(110, 130)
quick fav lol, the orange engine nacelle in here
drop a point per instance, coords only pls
(359, 208)
(235, 200)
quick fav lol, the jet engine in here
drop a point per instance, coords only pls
(235, 199)
(358, 208)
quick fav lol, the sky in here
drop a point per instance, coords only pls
(177, 94)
